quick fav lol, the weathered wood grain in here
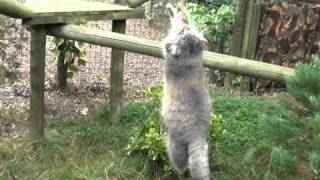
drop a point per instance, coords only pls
(37, 73)
(254, 31)
(136, 3)
(66, 11)
(13, 9)
(247, 29)
(237, 37)
(152, 48)
(68, 18)
(61, 11)
(71, 7)
(116, 76)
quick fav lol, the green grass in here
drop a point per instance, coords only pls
(234, 155)
(88, 148)
(258, 139)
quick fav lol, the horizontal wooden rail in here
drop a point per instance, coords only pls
(152, 48)
(14, 9)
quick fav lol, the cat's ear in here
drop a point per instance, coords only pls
(203, 41)
(200, 35)
(171, 10)
(202, 38)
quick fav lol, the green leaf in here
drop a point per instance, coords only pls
(70, 74)
(81, 62)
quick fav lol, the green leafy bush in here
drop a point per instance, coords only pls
(149, 138)
(216, 21)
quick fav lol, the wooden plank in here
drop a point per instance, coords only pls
(13, 9)
(136, 3)
(116, 15)
(245, 85)
(254, 31)
(61, 11)
(78, 8)
(116, 77)
(304, 1)
(247, 28)
(37, 73)
(152, 48)
(238, 28)
(237, 37)
(106, 39)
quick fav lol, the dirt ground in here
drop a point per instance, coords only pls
(87, 90)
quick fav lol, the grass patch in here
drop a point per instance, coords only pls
(250, 138)
(90, 148)
(243, 152)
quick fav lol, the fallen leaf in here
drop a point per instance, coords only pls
(84, 111)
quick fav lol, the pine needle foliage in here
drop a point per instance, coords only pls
(305, 85)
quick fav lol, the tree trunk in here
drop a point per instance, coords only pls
(62, 69)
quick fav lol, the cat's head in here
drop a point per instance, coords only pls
(185, 37)
(191, 42)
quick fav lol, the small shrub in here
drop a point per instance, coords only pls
(283, 164)
(305, 86)
(149, 138)
(216, 131)
(69, 52)
(216, 21)
(314, 160)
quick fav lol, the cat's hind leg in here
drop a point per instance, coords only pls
(198, 160)
(178, 154)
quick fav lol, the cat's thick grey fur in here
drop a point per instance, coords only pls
(186, 108)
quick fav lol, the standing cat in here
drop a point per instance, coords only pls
(186, 107)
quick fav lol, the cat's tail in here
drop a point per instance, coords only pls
(198, 160)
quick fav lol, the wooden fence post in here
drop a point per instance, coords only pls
(254, 31)
(237, 37)
(116, 77)
(247, 35)
(37, 74)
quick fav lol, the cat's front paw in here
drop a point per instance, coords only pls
(174, 50)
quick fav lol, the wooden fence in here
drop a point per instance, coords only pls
(42, 23)
(276, 32)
